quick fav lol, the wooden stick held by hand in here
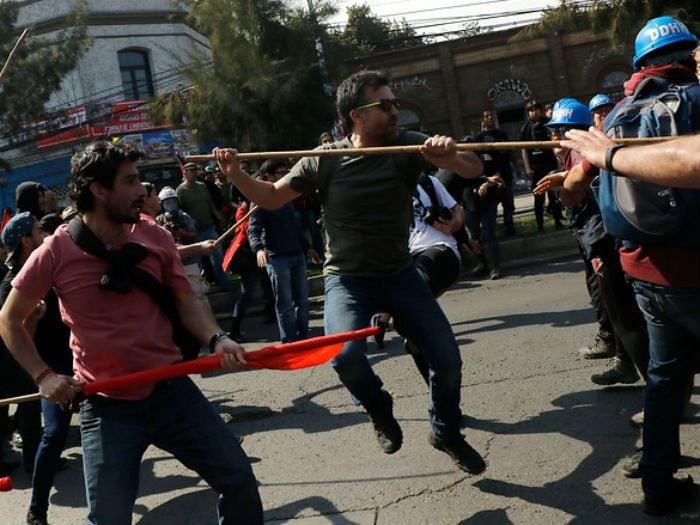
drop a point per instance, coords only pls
(387, 150)
(232, 229)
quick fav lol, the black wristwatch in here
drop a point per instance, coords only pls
(610, 154)
(218, 336)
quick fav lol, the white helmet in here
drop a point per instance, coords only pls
(167, 193)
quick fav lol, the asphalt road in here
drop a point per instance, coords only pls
(553, 440)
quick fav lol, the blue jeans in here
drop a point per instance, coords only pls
(217, 258)
(482, 227)
(291, 289)
(53, 439)
(351, 302)
(673, 324)
(115, 435)
(248, 282)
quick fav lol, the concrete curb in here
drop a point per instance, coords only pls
(515, 253)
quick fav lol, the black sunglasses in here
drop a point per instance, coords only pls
(385, 104)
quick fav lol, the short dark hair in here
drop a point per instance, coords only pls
(270, 166)
(351, 91)
(150, 188)
(98, 162)
(533, 104)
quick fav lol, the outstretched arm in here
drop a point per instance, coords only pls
(264, 194)
(675, 163)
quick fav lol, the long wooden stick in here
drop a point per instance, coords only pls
(12, 53)
(358, 152)
(230, 231)
(20, 399)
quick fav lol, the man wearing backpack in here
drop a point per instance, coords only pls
(367, 201)
(661, 245)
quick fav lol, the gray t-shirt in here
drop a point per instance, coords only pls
(366, 204)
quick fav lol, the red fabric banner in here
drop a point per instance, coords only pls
(289, 356)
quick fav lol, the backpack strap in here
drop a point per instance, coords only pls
(147, 282)
(426, 183)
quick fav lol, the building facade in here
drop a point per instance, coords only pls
(444, 87)
(134, 54)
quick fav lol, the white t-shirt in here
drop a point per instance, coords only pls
(422, 236)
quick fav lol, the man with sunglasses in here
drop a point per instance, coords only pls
(368, 268)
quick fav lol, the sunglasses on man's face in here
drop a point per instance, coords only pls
(385, 104)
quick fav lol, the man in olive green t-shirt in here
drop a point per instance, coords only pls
(194, 199)
(367, 213)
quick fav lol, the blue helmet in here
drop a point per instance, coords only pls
(600, 100)
(658, 33)
(570, 112)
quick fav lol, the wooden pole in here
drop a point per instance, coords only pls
(233, 228)
(358, 152)
(20, 399)
(12, 53)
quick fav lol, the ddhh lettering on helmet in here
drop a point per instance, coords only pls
(667, 29)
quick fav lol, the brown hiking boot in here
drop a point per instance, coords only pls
(598, 350)
(386, 428)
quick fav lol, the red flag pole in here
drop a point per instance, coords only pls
(288, 356)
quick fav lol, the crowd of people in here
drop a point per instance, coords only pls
(130, 265)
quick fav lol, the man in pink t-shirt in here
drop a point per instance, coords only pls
(116, 328)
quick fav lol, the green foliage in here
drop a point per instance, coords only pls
(263, 88)
(366, 33)
(621, 20)
(38, 66)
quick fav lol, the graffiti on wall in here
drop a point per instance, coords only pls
(408, 84)
(509, 86)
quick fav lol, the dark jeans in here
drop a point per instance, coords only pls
(507, 201)
(350, 303)
(53, 439)
(482, 226)
(439, 268)
(553, 206)
(176, 418)
(291, 288)
(605, 329)
(673, 323)
(14, 381)
(617, 294)
(248, 281)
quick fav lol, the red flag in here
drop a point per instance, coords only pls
(289, 356)
(6, 216)
(240, 238)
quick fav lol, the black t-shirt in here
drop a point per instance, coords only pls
(541, 160)
(496, 161)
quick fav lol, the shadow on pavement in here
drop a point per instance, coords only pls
(593, 417)
(504, 322)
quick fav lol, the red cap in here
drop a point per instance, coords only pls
(5, 484)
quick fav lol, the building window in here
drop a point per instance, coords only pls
(136, 74)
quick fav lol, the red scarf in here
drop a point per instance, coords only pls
(676, 73)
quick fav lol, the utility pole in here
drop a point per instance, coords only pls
(319, 52)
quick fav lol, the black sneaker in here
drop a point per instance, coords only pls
(36, 518)
(681, 489)
(464, 456)
(386, 428)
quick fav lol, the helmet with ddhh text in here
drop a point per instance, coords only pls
(570, 112)
(599, 101)
(662, 36)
